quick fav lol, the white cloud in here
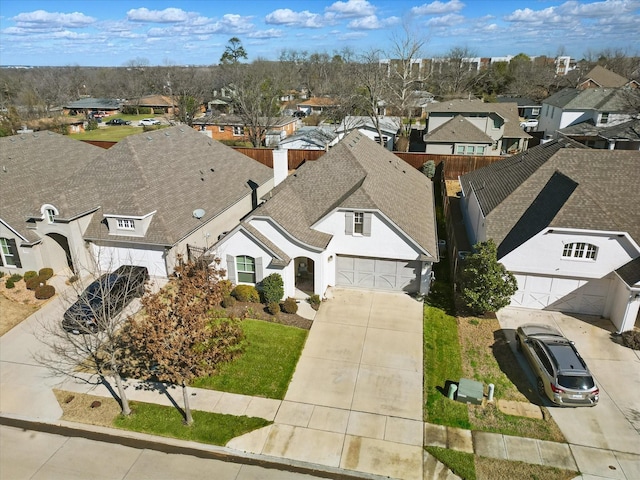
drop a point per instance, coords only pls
(372, 22)
(286, 16)
(168, 15)
(271, 33)
(446, 20)
(69, 34)
(352, 8)
(438, 8)
(42, 19)
(615, 8)
(527, 15)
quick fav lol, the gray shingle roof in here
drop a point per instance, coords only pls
(623, 131)
(630, 272)
(357, 173)
(458, 129)
(96, 104)
(35, 167)
(605, 78)
(319, 137)
(172, 171)
(600, 99)
(560, 187)
(387, 124)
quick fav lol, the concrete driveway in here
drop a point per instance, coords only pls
(613, 424)
(355, 400)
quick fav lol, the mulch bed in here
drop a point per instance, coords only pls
(258, 311)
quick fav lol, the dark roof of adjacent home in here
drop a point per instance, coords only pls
(171, 172)
(630, 272)
(95, 104)
(605, 78)
(34, 168)
(458, 129)
(629, 131)
(152, 101)
(357, 173)
(600, 99)
(520, 101)
(223, 119)
(560, 184)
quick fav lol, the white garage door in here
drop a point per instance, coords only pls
(378, 273)
(110, 258)
(576, 295)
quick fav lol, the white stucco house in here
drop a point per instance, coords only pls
(565, 220)
(356, 217)
(152, 196)
(388, 126)
(601, 107)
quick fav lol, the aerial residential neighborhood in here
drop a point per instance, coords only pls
(348, 239)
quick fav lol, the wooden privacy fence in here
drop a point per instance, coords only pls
(454, 165)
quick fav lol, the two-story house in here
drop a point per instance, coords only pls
(564, 220)
(474, 127)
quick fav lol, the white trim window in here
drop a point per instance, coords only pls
(246, 269)
(126, 224)
(358, 222)
(604, 118)
(50, 214)
(221, 128)
(8, 253)
(582, 250)
(238, 131)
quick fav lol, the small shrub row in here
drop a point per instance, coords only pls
(273, 308)
(44, 292)
(290, 306)
(315, 301)
(272, 288)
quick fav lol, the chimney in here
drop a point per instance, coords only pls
(280, 165)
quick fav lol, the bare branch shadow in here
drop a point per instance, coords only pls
(162, 388)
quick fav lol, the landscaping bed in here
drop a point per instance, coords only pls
(16, 304)
(258, 311)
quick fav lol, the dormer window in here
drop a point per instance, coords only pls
(604, 118)
(586, 251)
(126, 224)
(358, 222)
(49, 213)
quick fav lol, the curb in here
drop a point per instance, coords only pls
(181, 447)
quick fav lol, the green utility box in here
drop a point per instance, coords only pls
(470, 391)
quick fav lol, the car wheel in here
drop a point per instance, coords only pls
(541, 390)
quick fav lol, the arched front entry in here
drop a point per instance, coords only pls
(304, 274)
(58, 254)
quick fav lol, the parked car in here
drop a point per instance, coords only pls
(561, 374)
(118, 121)
(104, 299)
(529, 123)
(299, 114)
(149, 121)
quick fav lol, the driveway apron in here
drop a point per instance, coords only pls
(355, 400)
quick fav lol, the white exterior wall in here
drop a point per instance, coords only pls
(473, 219)
(625, 304)
(108, 258)
(439, 148)
(542, 254)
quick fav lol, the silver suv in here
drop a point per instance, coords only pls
(561, 373)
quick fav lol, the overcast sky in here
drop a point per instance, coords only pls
(195, 32)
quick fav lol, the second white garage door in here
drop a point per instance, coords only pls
(378, 273)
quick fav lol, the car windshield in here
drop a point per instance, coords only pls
(576, 382)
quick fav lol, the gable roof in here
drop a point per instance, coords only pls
(152, 101)
(171, 172)
(458, 129)
(630, 272)
(629, 130)
(520, 101)
(224, 119)
(357, 173)
(390, 125)
(601, 99)
(34, 169)
(319, 137)
(604, 78)
(575, 187)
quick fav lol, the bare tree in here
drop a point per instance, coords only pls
(372, 87)
(177, 340)
(88, 340)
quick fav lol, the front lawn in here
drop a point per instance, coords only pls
(267, 364)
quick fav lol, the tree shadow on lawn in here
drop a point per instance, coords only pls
(160, 387)
(512, 367)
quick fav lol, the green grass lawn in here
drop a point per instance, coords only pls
(213, 428)
(442, 363)
(267, 364)
(114, 133)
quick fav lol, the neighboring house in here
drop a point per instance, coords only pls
(147, 199)
(527, 108)
(87, 106)
(389, 127)
(356, 217)
(570, 106)
(600, 77)
(564, 220)
(623, 136)
(232, 127)
(317, 105)
(158, 103)
(310, 138)
(498, 121)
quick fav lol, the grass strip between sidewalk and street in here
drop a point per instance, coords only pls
(267, 364)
